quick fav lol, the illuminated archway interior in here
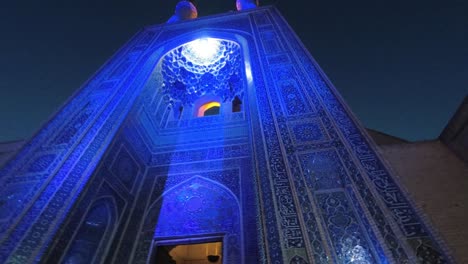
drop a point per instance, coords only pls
(211, 108)
(190, 253)
(203, 66)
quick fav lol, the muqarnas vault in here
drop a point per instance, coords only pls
(217, 130)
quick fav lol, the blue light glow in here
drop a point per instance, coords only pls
(202, 52)
(202, 66)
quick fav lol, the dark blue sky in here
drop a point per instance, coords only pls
(402, 66)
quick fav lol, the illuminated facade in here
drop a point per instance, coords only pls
(220, 129)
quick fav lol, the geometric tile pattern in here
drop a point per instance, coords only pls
(308, 132)
(295, 174)
(345, 231)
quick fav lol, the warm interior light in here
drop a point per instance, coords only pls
(203, 108)
(204, 51)
(192, 253)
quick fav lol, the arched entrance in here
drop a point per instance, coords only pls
(197, 210)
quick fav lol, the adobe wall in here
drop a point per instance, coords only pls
(455, 134)
(438, 182)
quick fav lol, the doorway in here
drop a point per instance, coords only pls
(188, 252)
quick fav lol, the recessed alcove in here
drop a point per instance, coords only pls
(209, 109)
(200, 86)
(204, 66)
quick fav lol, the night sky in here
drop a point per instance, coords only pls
(402, 66)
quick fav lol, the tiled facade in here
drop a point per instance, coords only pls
(291, 178)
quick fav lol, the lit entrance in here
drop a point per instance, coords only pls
(203, 253)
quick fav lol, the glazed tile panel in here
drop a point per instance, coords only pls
(365, 183)
(307, 183)
(57, 162)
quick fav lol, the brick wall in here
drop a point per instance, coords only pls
(438, 182)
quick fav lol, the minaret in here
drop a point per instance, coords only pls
(219, 131)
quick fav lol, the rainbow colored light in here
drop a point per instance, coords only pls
(205, 107)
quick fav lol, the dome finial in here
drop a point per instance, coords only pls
(184, 10)
(246, 4)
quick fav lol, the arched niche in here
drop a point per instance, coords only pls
(197, 207)
(159, 85)
(203, 104)
(94, 231)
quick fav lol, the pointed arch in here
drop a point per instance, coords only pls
(96, 227)
(236, 104)
(207, 185)
(189, 179)
(204, 103)
(196, 207)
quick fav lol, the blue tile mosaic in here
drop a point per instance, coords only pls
(289, 179)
